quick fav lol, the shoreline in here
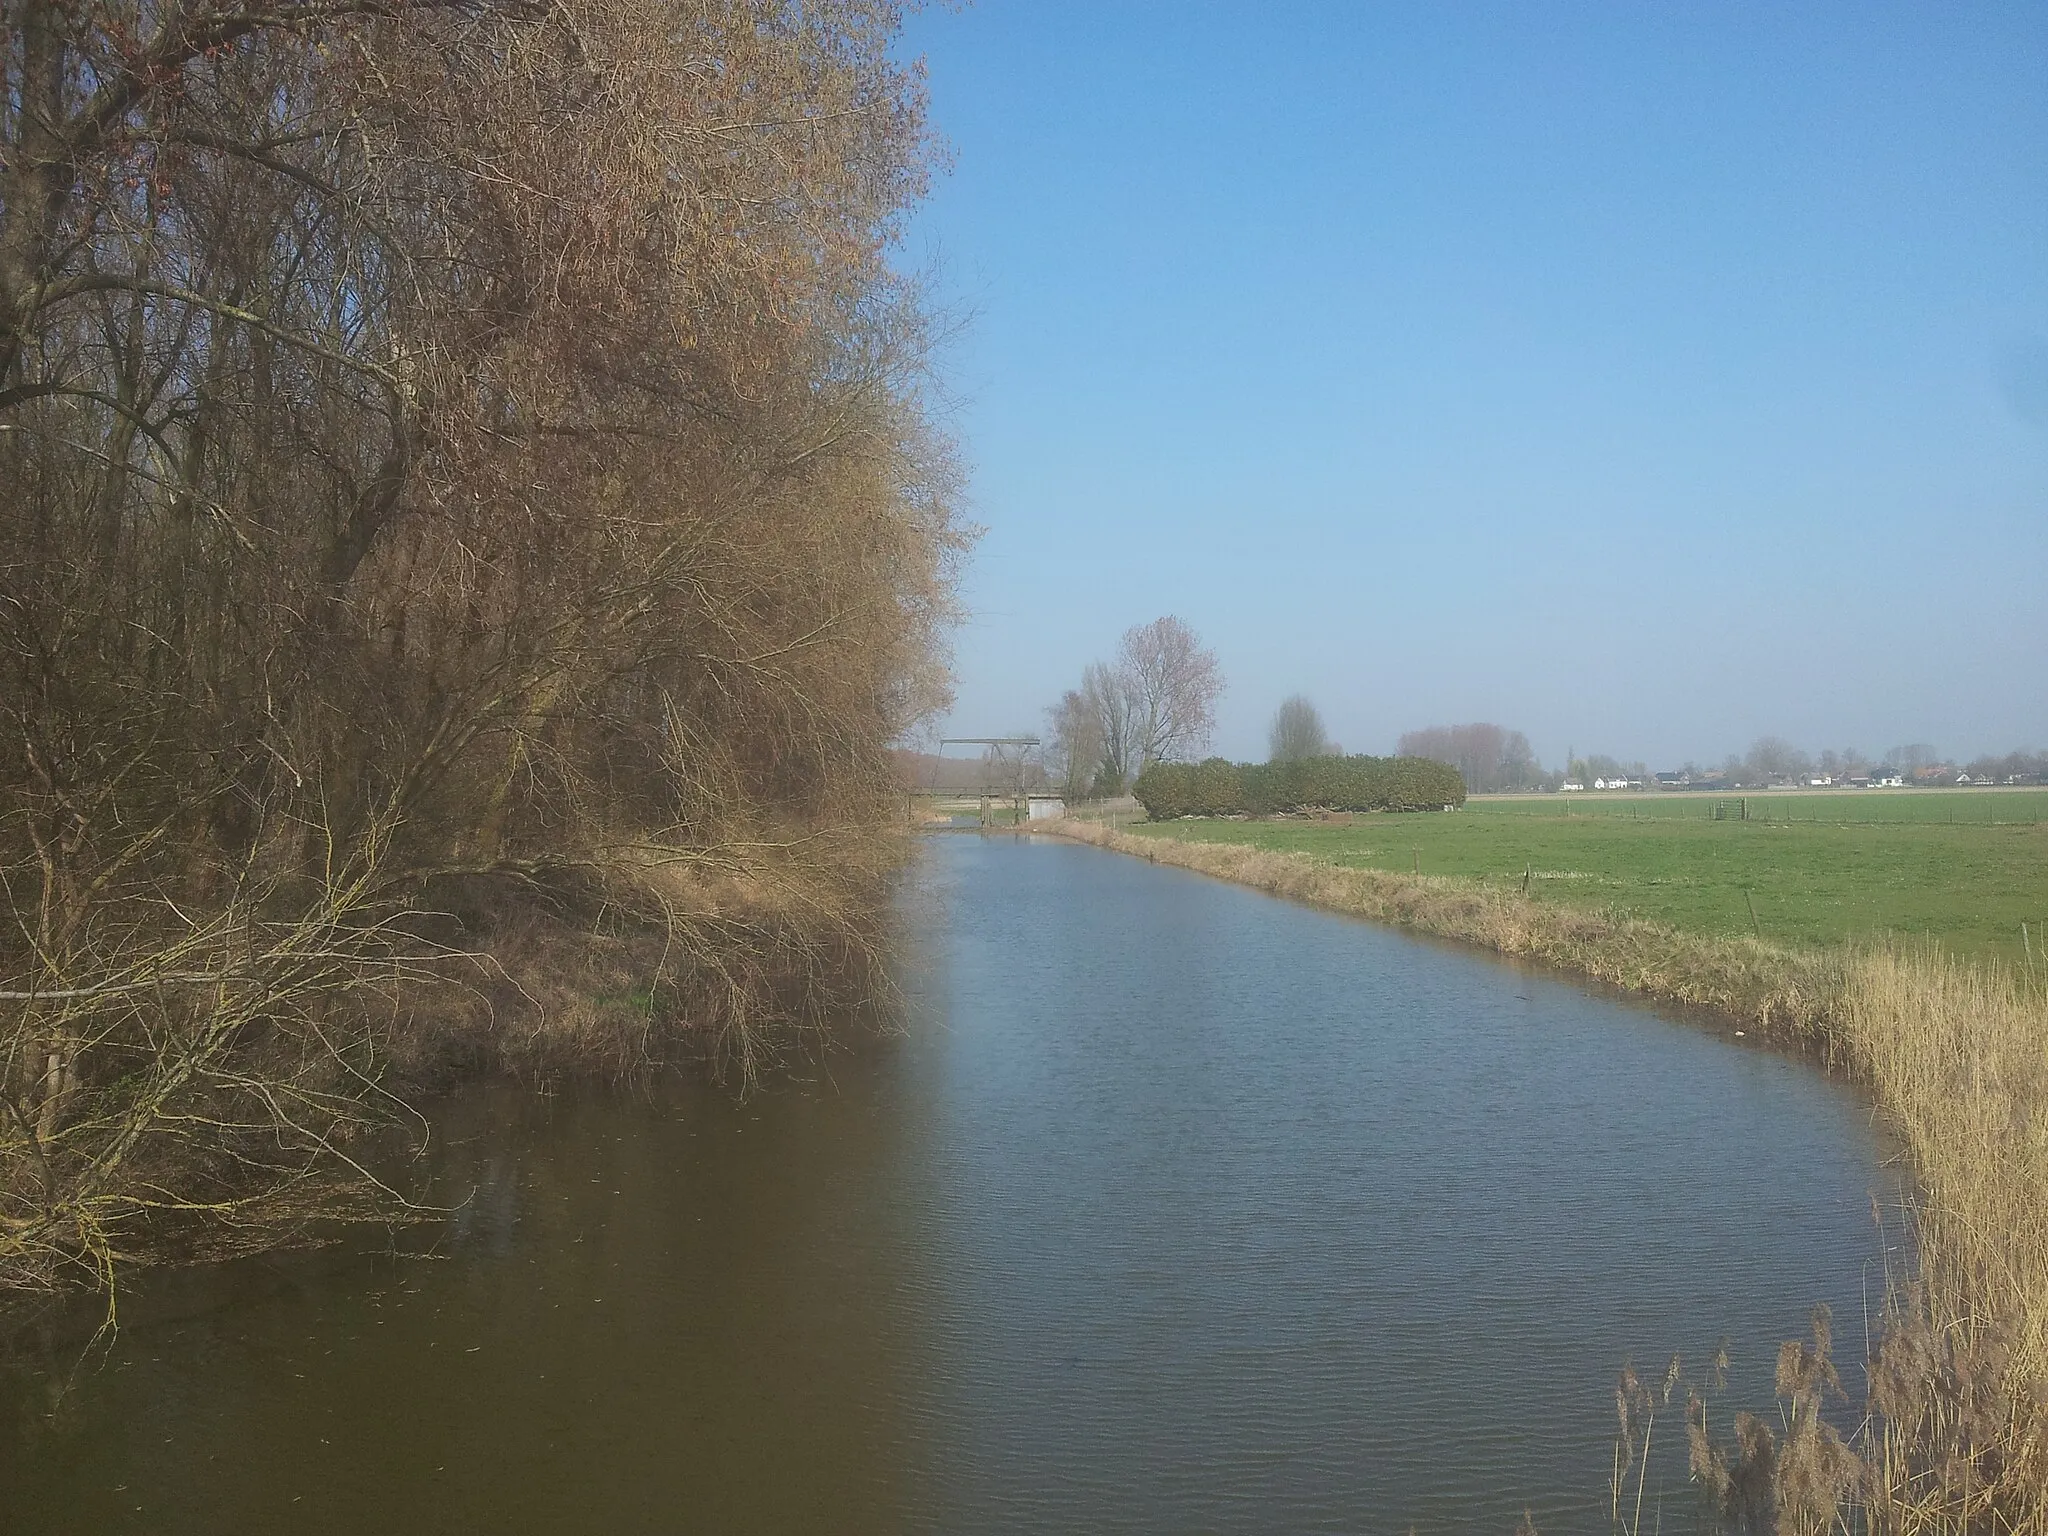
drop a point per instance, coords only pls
(1785, 994)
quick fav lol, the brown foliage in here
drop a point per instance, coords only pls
(466, 478)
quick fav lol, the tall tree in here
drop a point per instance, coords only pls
(1074, 744)
(1106, 693)
(1172, 684)
(1155, 702)
(1297, 732)
(1772, 758)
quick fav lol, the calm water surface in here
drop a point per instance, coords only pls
(1177, 1208)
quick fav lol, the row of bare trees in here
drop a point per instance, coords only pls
(470, 531)
(1155, 701)
(1488, 757)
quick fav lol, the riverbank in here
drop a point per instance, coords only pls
(282, 1106)
(1952, 1053)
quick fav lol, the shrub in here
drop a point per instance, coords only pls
(1218, 788)
(1165, 790)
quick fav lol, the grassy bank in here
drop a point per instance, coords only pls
(1952, 1049)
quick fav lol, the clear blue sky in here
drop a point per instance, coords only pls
(1648, 377)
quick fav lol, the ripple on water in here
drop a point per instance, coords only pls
(1177, 1207)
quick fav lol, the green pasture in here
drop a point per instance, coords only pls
(1844, 806)
(1963, 867)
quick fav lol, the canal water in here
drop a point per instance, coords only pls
(1173, 1208)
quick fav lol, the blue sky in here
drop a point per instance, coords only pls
(1646, 377)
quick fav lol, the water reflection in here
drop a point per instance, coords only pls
(1177, 1208)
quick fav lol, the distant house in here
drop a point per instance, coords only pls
(1673, 780)
(1821, 781)
(1568, 786)
(1887, 778)
(1964, 778)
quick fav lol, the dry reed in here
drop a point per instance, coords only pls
(1955, 1054)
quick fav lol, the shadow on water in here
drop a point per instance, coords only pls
(1176, 1207)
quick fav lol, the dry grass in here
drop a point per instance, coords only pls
(1955, 1053)
(735, 958)
(251, 1080)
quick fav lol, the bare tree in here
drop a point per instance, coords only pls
(1772, 758)
(1155, 702)
(1488, 757)
(1518, 766)
(1913, 757)
(1172, 684)
(1107, 693)
(1297, 732)
(1599, 766)
(1074, 744)
(2016, 767)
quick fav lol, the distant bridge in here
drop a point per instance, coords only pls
(1007, 768)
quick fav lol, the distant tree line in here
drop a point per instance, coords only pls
(1095, 747)
(1216, 787)
(2023, 767)
(1154, 701)
(1774, 760)
(1488, 757)
(1593, 768)
(1494, 760)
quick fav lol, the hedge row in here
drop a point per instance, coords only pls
(1219, 788)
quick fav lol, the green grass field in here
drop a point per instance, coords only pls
(1843, 807)
(1964, 867)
